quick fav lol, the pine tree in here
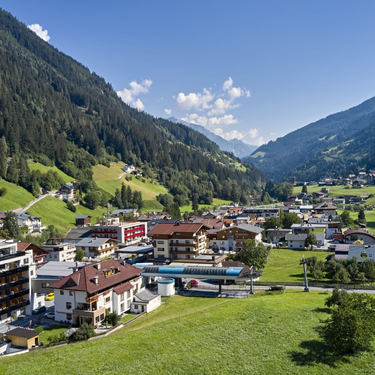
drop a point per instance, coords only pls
(3, 157)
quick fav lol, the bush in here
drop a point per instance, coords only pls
(84, 332)
(3, 191)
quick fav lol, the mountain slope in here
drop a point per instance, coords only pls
(53, 109)
(235, 146)
(332, 146)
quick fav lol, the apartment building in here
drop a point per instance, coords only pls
(16, 268)
(59, 251)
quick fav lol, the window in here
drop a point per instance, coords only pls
(25, 261)
(31, 273)
(108, 299)
(122, 297)
(45, 285)
(62, 292)
(122, 307)
(160, 248)
(160, 242)
(68, 316)
(70, 293)
(68, 305)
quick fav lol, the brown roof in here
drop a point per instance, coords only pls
(169, 229)
(23, 246)
(362, 231)
(84, 279)
(123, 288)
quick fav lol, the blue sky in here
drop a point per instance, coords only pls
(255, 70)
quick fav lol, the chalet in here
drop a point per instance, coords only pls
(325, 208)
(33, 224)
(68, 192)
(277, 234)
(179, 240)
(39, 254)
(296, 241)
(98, 248)
(88, 294)
(232, 238)
(352, 235)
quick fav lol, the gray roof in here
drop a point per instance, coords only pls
(93, 241)
(145, 296)
(125, 210)
(59, 269)
(81, 216)
(135, 249)
(296, 237)
(250, 228)
(77, 234)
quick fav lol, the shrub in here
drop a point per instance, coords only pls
(3, 191)
(39, 329)
(84, 332)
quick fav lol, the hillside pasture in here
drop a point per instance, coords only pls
(44, 169)
(16, 196)
(263, 334)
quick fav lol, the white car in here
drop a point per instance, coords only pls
(49, 315)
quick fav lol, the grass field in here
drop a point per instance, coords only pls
(102, 173)
(336, 191)
(54, 212)
(215, 203)
(44, 169)
(263, 334)
(16, 196)
(283, 265)
(55, 331)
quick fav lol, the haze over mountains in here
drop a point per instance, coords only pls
(235, 146)
(335, 146)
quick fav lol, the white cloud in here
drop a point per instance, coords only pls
(211, 122)
(130, 96)
(168, 111)
(38, 30)
(251, 137)
(228, 84)
(196, 101)
(247, 92)
(253, 133)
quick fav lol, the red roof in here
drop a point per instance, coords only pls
(123, 288)
(22, 246)
(84, 279)
(170, 228)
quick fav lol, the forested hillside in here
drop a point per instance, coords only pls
(334, 146)
(52, 109)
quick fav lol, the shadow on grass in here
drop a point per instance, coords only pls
(316, 352)
(325, 310)
(298, 275)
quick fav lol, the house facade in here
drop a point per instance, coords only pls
(32, 223)
(97, 248)
(318, 230)
(262, 211)
(16, 268)
(296, 241)
(178, 240)
(86, 295)
(232, 238)
(59, 251)
(129, 233)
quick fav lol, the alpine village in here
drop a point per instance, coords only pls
(134, 244)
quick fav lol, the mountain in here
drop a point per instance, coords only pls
(235, 146)
(54, 110)
(335, 146)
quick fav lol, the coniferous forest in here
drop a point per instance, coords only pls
(54, 110)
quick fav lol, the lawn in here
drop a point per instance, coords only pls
(263, 334)
(44, 169)
(55, 212)
(283, 265)
(215, 203)
(16, 196)
(370, 218)
(55, 330)
(103, 173)
(336, 191)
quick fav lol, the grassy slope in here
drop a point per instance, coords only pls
(16, 196)
(336, 191)
(264, 334)
(55, 212)
(43, 169)
(283, 265)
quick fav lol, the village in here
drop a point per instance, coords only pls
(124, 268)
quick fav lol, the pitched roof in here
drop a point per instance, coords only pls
(23, 332)
(123, 288)
(169, 229)
(94, 241)
(145, 296)
(247, 227)
(83, 279)
(296, 237)
(81, 217)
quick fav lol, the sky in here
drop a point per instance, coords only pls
(251, 70)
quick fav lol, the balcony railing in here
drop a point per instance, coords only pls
(14, 307)
(14, 283)
(11, 256)
(13, 271)
(15, 295)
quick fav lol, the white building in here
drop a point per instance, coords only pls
(86, 295)
(16, 268)
(32, 223)
(97, 248)
(59, 251)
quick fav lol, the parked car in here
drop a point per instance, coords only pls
(39, 310)
(49, 315)
(49, 296)
(194, 283)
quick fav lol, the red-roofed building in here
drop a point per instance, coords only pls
(39, 254)
(93, 290)
(179, 240)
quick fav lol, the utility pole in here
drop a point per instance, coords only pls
(251, 280)
(304, 261)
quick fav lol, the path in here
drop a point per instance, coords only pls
(20, 210)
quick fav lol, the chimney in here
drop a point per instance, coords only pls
(96, 280)
(98, 266)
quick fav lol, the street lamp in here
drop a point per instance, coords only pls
(304, 261)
